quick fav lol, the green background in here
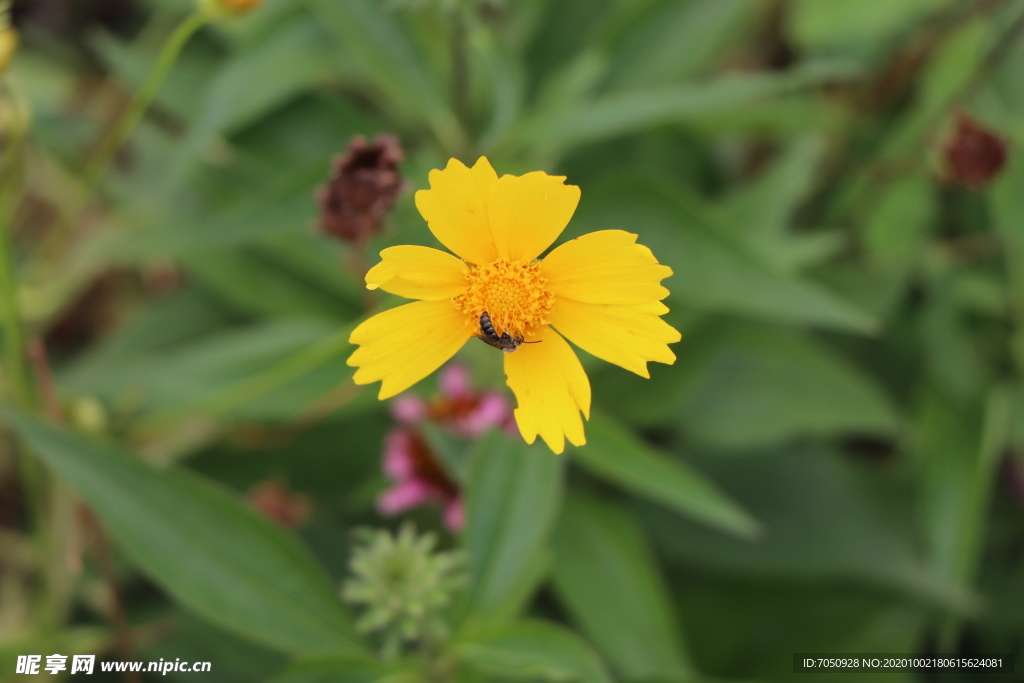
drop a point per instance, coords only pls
(832, 465)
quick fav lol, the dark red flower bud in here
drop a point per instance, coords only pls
(974, 155)
(363, 186)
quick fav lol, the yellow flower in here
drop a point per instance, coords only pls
(602, 291)
(8, 42)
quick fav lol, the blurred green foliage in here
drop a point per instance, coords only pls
(834, 463)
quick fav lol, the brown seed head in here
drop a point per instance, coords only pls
(974, 154)
(362, 187)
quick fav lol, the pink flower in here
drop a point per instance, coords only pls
(467, 412)
(418, 477)
(398, 461)
(409, 408)
(405, 495)
(455, 515)
(454, 381)
(491, 410)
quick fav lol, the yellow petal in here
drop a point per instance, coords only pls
(403, 345)
(455, 208)
(551, 389)
(628, 335)
(418, 273)
(605, 267)
(529, 212)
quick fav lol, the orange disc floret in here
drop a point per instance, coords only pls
(513, 294)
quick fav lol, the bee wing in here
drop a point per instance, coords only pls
(490, 341)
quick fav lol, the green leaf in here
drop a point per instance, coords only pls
(387, 58)
(951, 354)
(768, 621)
(1008, 217)
(766, 205)
(948, 444)
(713, 270)
(177, 320)
(958, 465)
(792, 114)
(297, 53)
(740, 386)
(824, 24)
(507, 90)
(514, 493)
(614, 453)
(897, 227)
(348, 669)
(608, 578)
(259, 281)
(761, 386)
(272, 370)
(208, 549)
(947, 75)
(674, 40)
(531, 649)
(955, 63)
(239, 660)
(278, 207)
(761, 212)
(626, 112)
(822, 522)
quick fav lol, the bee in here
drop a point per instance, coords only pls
(505, 342)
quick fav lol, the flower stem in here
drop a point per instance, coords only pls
(15, 358)
(113, 142)
(460, 65)
(14, 335)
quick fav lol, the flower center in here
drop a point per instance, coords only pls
(512, 292)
